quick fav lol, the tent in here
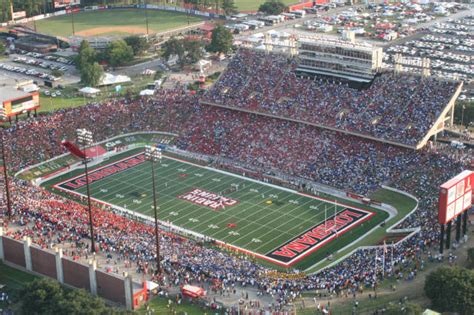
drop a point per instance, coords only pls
(147, 92)
(110, 79)
(89, 91)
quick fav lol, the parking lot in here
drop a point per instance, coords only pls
(442, 32)
(23, 65)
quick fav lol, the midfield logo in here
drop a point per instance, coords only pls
(208, 199)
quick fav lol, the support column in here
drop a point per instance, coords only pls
(458, 228)
(127, 282)
(448, 235)
(59, 265)
(2, 254)
(26, 248)
(464, 223)
(451, 116)
(92, 277)
(441, 240)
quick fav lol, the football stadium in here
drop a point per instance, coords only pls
(306, 178)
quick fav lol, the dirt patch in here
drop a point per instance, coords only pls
(112, 29)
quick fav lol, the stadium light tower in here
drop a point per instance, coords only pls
(84, 138)
(5, 177)
(145, 5)
(153, 154)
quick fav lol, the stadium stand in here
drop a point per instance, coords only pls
(333, 158)
(397, 108)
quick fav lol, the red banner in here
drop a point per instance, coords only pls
(73, 149)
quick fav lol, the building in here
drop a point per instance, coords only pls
(338, 59)
(15, 102)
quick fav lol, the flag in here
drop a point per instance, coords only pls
(71, 147)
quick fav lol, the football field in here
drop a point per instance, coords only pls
(276, 224)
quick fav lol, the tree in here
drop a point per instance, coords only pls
(451, 289)
(193, 50)
(2, 48)
(158, 75)
(92, 74)
(221, 40)
(272, 7)
(45, 296)
(138, 44)
(229, 7)
(41, 296)
(57, 73)
(119, 53)
(470, 257)
(81, 302)
(173, 47)
(86, 56)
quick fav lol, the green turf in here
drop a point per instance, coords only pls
(159, 305)
(402, 203)
(158, 21)
(52, 166)
(249, 5)
(261, 227)
(14, 280)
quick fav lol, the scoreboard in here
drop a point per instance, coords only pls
(19, 105)
(455, 196)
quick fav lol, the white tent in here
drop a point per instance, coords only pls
(110, 79)
(89, 90)
(147, 92)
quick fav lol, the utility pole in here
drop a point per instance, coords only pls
(153, 154)
(84, 138)
(5, 175)
(72, 21)
(146, 16)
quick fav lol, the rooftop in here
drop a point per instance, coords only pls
(9, 91)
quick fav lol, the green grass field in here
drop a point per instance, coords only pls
(249, 5)
(265, 217)
(14, 281)
(114, 22)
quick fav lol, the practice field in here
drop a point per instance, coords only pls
(252, 5)
(114, 22)
(276, 224)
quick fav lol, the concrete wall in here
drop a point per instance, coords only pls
(75, 274)
(43, 262)
(13, 251)
(25, 256)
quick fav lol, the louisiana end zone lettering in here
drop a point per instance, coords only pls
(318, 235)
(103, 172)
(208, 199)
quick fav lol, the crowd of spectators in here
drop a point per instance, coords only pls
(396, 107)
(324, 156)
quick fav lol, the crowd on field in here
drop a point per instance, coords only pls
(346, 162)
(396, 107)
